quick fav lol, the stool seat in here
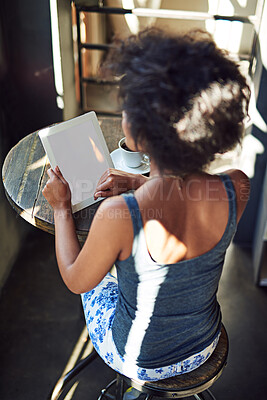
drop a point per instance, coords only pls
(191, 383)
(194, 383)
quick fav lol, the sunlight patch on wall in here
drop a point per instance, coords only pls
(226, 34)
(56, 48)
(243, 3)
(131, 19)
(251, 147)
(254, 114)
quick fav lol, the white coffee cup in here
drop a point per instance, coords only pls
(132, 159)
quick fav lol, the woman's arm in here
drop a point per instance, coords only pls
(58, 194)
(114, 182)
(82, 269)
(105, 241)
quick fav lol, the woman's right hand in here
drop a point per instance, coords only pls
(114, 182)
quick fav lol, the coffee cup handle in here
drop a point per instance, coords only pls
(145, 159)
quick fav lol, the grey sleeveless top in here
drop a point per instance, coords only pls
(168, 312)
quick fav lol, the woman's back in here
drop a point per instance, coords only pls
(183, 220)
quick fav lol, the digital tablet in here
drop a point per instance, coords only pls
(79, 148)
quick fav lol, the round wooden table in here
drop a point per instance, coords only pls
(24, 177)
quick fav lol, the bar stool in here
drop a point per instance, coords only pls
(195, 383)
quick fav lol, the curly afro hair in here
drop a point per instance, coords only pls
(184, 98)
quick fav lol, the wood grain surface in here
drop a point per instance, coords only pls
(24, 176)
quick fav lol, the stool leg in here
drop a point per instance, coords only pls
(104, 393)
(206, 395)
(64, 380)
(211, 395)
(119, 388)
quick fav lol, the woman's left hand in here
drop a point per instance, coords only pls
(57, 191)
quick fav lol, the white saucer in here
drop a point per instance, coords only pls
(119, 164)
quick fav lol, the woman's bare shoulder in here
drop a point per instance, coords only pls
(241, 184)
(240, 181)
(113, 208)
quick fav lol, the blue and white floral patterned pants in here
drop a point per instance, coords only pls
(99, 309)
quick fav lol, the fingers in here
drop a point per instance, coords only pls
(108, 184)
(51, 176)
(59, 174)
(105, 175)
(56, 190)
(104, 190)
(106, 193)
(105, 183)
(56, 173)
(50, 173)
(111, 183)
(55, 179)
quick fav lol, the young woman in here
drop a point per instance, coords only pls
(183, 101)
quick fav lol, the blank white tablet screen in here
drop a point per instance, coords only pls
(80, 156)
